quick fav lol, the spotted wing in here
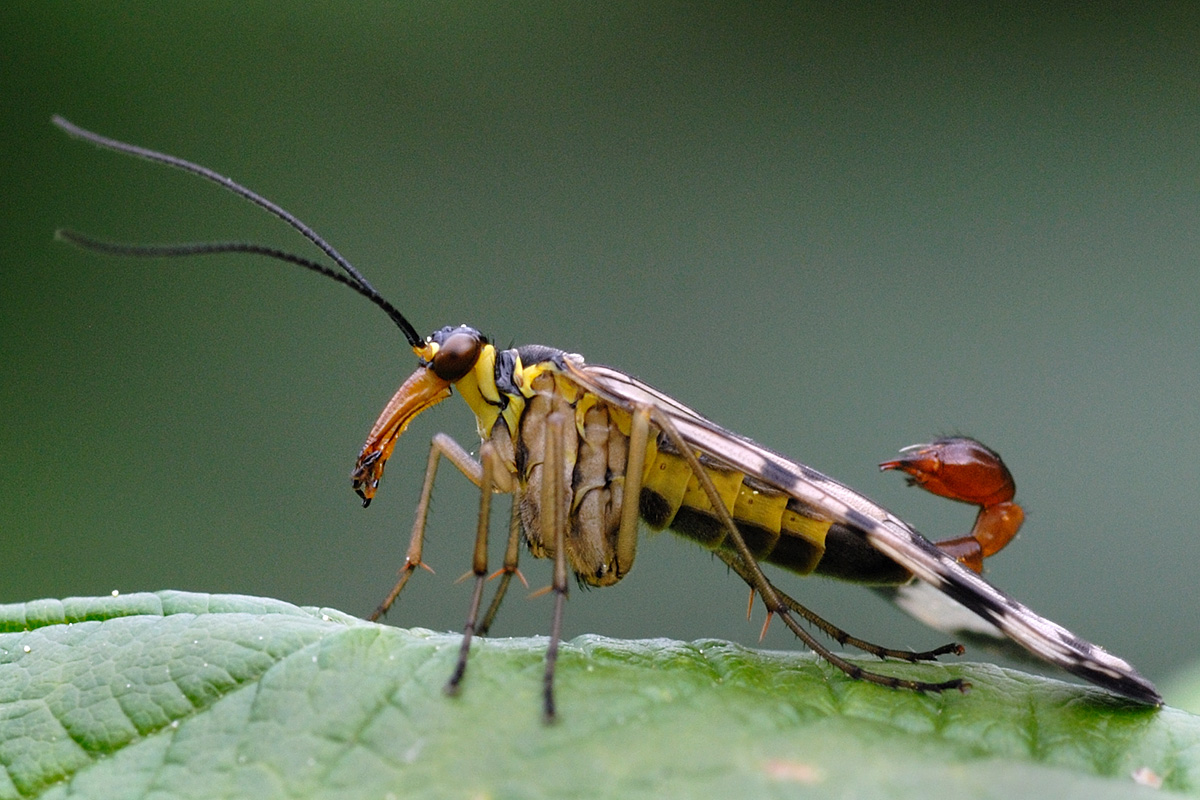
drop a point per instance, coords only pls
(883, 531)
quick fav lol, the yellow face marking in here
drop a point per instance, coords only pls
(478, 386)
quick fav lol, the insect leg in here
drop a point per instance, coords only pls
(442, 445)
(554, 523)
(758, 581)
(639, 436)
(507, 569)
(487, 457)
(829, 629)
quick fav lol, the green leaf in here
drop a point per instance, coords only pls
(182, 695)
(1182, 689)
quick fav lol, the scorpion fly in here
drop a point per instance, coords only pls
(588, 452)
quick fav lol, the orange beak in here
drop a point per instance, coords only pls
(422, 390)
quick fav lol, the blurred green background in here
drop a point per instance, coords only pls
(836, 231)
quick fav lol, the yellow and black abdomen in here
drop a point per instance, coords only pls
(777, 528)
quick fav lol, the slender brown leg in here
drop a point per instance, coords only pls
(831, 630)
(442, 445)
(487, 457)
(758, 581)
(509, 568)
(627, 534)
(554, 523)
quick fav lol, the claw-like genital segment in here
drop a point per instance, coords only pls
(963, 469)
(959, 468)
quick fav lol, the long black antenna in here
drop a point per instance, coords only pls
(352, 278)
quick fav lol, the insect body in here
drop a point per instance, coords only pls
(587, 451)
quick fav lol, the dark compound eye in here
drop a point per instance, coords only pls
(456, 356)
